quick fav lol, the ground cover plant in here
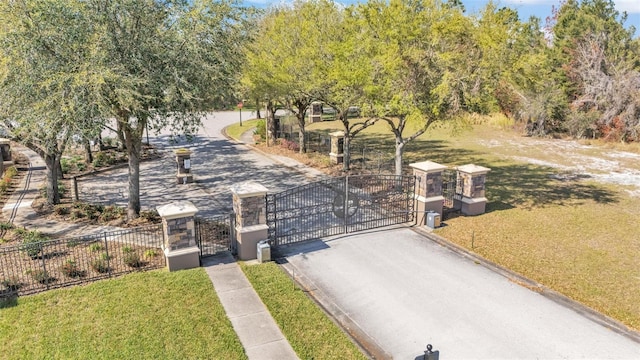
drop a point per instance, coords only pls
(150, 315)
(307, 328)
(563, 213)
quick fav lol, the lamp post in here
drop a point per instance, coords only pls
(240, 107)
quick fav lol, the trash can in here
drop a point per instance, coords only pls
(264, 251)
(433, 219)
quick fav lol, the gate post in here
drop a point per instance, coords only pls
(249, 205)
(471, 179)
(337, 147)
(428, 193)
(180, 247)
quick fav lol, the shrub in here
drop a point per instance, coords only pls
(261, 129)
(61, 209)
(11, 283)
(70, 269)
(32, 244)
(100, 265)
(4, 226)
(65, 164)
(112, 212)
(41, 276)
(127, 249)
(289, 145)
(99, 159)
(95, 247)
(105, 256)
(81, 166)
(151, 253)
(150, 215)
(132, 259)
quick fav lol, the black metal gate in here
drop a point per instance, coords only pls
(216, 234)
(339, 205)
(451, 191)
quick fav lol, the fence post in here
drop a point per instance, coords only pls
(75, 189)
(44, 266)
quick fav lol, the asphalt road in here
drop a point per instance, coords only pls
(399, 291)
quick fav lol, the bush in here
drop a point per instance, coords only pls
(31, 242)
(151, 253)
(100, 265)
(132, 259)
(70, 269)
(65, 164)
(4, 226)
(127, 249)
(61, 210)
(95, 247)
(112, 212)
(150, 215)
(289, 145)
(11, 283)
(41, 276)
(99, 159)
(261, 129)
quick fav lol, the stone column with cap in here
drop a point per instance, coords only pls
(180, 246)
(5, 152)
(337, 147)
(428, 193)
(183, 160)
(471, 185)
(249, 205)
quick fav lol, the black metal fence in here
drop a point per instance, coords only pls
(339, 205)
(29, 268)
(216, 234)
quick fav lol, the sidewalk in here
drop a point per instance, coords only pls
(257, 330)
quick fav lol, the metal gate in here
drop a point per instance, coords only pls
(339, 205)
(216, 234)
(451, 191)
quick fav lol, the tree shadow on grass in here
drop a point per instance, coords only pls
(511, 184)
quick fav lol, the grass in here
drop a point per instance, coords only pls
(235, 130)
(574, 235)
(309, 331)
(150, 315)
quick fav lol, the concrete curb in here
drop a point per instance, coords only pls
(516, 278)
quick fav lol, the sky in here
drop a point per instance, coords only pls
(525, 8)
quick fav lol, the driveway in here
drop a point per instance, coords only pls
(397, 291)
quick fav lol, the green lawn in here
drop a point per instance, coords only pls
(147, 315)
(311, 334)
(574, 235)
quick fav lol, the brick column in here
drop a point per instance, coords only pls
(180, 246)
(5, 152)
(471, 179)
(183, 159)
(337, 147)
(428, 192)
(249, 205)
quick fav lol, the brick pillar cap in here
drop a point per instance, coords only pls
(248, 189)
(338, 133)
(473, 169)
(4, 141)
(428, 166)
(176, 210)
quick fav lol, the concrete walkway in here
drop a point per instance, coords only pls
(258, 332)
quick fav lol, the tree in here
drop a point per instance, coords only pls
(49, 88)
(420, 62)
(171, 59)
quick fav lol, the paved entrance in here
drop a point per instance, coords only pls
(399, 291)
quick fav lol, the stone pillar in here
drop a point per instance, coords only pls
(249, 205)
(5, 151)
(315, 112)
(180, 246)
(428, 192)
(183, 159)
(337, 147)
(471, 179)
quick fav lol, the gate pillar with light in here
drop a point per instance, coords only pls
(428, 192)
(251, 220)
(178, 224)
(183, 159)
(471, 184)
(337, 147)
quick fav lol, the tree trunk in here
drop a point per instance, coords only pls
(134, 145)
(53, 198)
(258, 109)
(88, 155)
(302, 134)
(271, 125)
(59, 174)
(398, 156)
(121, 137)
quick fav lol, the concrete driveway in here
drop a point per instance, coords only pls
(397, 291)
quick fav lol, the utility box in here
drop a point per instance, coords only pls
(264, 251)
(433, 220)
